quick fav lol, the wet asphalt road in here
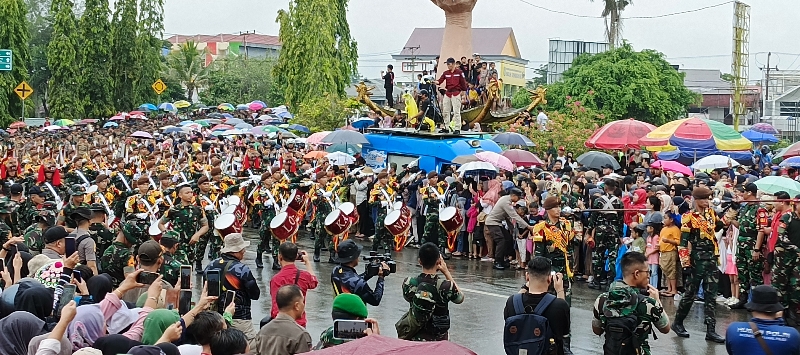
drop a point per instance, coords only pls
(477, 323)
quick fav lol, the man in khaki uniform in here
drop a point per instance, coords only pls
(282, 335)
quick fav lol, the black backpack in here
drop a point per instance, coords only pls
(620, 332)
(528, 332)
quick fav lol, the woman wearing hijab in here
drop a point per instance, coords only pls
(155, 324)
(34, 299)
(115, 344)
(98, 286)
(17, 330)
(87, 327)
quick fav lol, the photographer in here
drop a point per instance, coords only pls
(346, 307)
(291, 275)
(425, 118)
(345, 279)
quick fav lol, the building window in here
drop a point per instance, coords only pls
(417, 66)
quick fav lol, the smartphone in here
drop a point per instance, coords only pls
(186, 277)
(349, 329)
(66, 296)
(69, 246)
(212, 279)
(185, 301)
(230, 296)
(146, 277)
(77, 275)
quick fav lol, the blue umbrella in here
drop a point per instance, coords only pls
(243, 126)
(227, 115)
(183, 123)
(242, 107)
(173, 130)
(363, 123)
(167, 106)
(110, 124)
(759, 137)
(793, 162)
(299, 128)
(148, 107)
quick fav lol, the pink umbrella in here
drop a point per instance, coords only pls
(495, 159)
(522, 157)
(255, 106)
(316, 138)
(142, 134)
(50, 128)
(117, 118)
(222, 127)
(379, 344)
(672, 166)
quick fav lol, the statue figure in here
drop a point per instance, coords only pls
(538, 97)
(457, 39)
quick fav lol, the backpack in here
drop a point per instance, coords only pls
(528, 333)
(620, 332)
(423, 314)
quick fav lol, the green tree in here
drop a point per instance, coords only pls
(174, 90)
(13, 35)
(40, 22)
(612, 12)
(125, 61)
(235, 79)
(186, 65)
(541, 79)
(318, 56)
(62, 58)
(325, 113)
(521, 98)
(96, 83)
(623, 83)
(149, 44)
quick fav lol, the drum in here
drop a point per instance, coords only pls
(226, 224)
(451, 220)
(397, 222)
(337, 222)
(240, 208)
(229, 209)
(397, 205)
(297, 200)
(349, 209)
(285, 225)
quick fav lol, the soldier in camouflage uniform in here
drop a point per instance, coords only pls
(606, 232)
(555, 240)
(433, 195)
(345, 306)
(120, 254)
(189, 221)
(753, 219)
(698, 227)
(265, 205)
(98, 229)
(207, 199)
(322, 207)
(7, 207)
(77, 194)
(29, 210)
(623, 299)
(171, 268)
(34, 234)
(786, 273)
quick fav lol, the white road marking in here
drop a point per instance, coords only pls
(483, 293)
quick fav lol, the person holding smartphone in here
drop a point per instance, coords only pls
(54, 243)
(347, 307)
(288, 254)
(149, 257)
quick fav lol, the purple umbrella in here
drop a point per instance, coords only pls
(142, 134)
(764, 128)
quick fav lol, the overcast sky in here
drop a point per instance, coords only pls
(695, 40)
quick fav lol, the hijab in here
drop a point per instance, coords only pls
(99, 286)
(114, 344)
(17, 330)
(145, 350)
(169, 349)
(35, 299)
(88, 325)
(155, 324)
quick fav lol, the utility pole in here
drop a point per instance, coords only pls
(244, 35)
(413, 65)
(766, 84)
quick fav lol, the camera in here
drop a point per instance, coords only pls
(374, 264)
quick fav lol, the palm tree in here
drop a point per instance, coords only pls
(187, 66)
(612, 12)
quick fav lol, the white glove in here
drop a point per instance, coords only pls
(307, 183)
(142, 215)
(245, 183)
(209, 208)
(442, 197)
(384, 203)
(268, 204)
(327, 194)
(159, 201)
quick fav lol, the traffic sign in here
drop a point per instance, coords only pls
(159, 86)
(23, 90)
(6, 59)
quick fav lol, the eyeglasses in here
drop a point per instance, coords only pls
(646, 270)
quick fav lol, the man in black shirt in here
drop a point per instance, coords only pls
(426, 109)
(388, 84)
(538, 279)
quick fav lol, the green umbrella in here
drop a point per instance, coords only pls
(64, 122)
(773, 184)
(203, 123)
(284, 126)
(347, 148)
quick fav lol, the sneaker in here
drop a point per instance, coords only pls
(677, 297)
(731, 301)
(591, 279)
(514, 262)
(721, 299)
(486, 258)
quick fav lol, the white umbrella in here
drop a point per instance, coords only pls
(714, 162)
(339, 158)
(476, 165)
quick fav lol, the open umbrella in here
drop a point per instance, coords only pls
(182, 104)
(596, 160)
(712, 162)
(773, 184)
(790, 151)
(316, 138)
(476, 165)
(344, 136)
(221, 127)
(286, 134)
(348, 148)
(242, 107)
(465, 159)
(513, 138)
(117, 118)
(173, 130)
(226, 107)
(340, 158)
(299, 128)
(255, 106)
(64, 123)
(142, 134)
(18, 124)
(495, 159)
(183, 123)
(379, 344)
(363, 123)
(148, 107)
(203, 123)
(672, 166)
(622, 134)
(243, 126)
(87, 121)
(50, 128)
(522, 157)
(706, 137)
(199, 106)
(227, 116)
(215, 115)
(760, 137)
(110, 124)
(167, 106)
(793, 162)
(315, 154)
(764, 127)
(233, 121)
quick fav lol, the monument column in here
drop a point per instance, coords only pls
(457, 38)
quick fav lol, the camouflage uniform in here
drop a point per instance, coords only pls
(266, 240)
(435, 306)
(326, 340)
(607, 231)
(171, 268)
(382, 239)
(433, 231)
(102, 236)
(560, 252)
(205, 200)
(786, 279)
(619, 301)
(321, 210)
(67, 211)
(119, 255)
(34, 238)
(698, 229)
(186, 220)
(7, 208)
(752, 218)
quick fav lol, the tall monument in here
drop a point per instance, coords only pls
(457, 39)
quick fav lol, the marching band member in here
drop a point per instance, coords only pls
(433, 195)
(321, 200)
(10, 172)
(189, 221)
(378, 199)
(137, 207)
(49, 179)
(266, 206)
(553, 238)
(208, 200)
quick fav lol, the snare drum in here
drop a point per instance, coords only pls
(397, 222)
(337, 222)
(285, 225)
(297, 200)
(240, 210)
(226, 224)
(349, 209)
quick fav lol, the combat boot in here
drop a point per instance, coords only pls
(594, 285)
(711, 334)
(198, 267)
(275, 264)
(742, 301)
(316, 254)
(678, 328)
(330, 258)
(259, 259)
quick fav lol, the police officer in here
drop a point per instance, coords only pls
(345, 279)
(120, 255)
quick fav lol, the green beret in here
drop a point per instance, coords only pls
(132, 232)
(350, 304)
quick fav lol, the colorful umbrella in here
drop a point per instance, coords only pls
(18, 124)
(167, 106)
(692, 156)
(110, 124)
(790, 151)
(712, 162)
(142, 134)
(495, 159)
(226, 107)
(622, 134)
(695, 134)
(255, 106)
(672, 166)
(596, 160)
(263, 104)
(148, 107)
(522, 157)
(773, 184)
(222, 127)
(793, 162)
(760, 137)
(227, 115)
(513, 138)
(764, 127)
(64, 123)
(182, 104)
(117, 118)
(316, 138)
(379, 344)
(315, 154)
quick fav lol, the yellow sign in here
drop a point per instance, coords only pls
(23, 90)
(159, 86)
(512, 73)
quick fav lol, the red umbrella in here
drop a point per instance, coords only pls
(378, 344)
(18, 124)
(621, 134)
(522, 157)
(791, 151)
(222, 127)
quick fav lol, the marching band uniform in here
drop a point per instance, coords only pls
(264, 205)
(378, 200)
(433, 195)
(321, 200)
(556, 241)
(136, 209)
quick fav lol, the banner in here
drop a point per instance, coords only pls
(376, 159)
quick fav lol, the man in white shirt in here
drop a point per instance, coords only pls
(541, 119)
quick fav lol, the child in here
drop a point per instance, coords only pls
(638, 243)
(522, 239)
(653, 240)
(730, 239)
(670, 238)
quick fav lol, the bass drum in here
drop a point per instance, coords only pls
(239, 208)
(297, 200)
(397, 223)
(349, 210)
(285, 225)
(337, 222)
(154, 231)
(451, 220)
(225, 224)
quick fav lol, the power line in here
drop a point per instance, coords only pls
(626, 18)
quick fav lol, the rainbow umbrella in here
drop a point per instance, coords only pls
(64, 123)
(698, 135)
(226, 107)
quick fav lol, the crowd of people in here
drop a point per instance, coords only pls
(103, 230)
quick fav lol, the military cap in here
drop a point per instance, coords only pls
(77, 190)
